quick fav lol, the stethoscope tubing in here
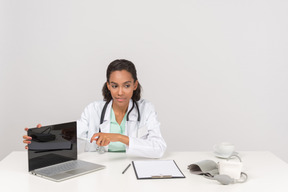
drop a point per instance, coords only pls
(127, 117)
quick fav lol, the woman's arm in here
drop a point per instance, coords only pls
(103, 139)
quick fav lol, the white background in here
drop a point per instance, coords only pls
(216, 70)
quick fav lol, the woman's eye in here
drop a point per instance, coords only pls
(114, 86)
(127, 86)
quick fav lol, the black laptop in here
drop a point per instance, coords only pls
(52, 153)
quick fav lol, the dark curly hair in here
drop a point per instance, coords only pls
(119, 65)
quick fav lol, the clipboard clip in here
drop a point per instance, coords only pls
(161, 176)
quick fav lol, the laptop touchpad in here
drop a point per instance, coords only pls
(77, 171)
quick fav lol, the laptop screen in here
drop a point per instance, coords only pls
(52, 144)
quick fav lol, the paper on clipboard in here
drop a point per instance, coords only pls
(160, 169)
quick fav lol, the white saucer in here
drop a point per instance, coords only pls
(224, 156)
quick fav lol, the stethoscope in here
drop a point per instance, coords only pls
(127, 117)
(101, 149)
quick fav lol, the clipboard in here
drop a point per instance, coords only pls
(157, 169)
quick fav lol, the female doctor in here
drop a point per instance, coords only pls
(123, 122)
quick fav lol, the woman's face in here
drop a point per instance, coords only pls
(121, 85)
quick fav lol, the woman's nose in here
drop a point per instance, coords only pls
(120, 91)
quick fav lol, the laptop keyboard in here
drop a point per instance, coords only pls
(60, 168)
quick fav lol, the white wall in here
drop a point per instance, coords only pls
(216, 70)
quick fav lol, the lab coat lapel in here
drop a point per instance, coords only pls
(134, 113)
(105, 126)
(132, 123)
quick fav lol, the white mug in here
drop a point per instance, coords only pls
(224, 149)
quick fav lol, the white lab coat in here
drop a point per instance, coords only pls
(144, 137)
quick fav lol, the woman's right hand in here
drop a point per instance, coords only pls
(26, 138)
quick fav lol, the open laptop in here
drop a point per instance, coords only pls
(52, 153)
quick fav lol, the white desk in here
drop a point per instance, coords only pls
(266, 173)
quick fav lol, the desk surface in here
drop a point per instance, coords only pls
(266, 173)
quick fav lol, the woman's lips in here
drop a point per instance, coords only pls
(120, 99)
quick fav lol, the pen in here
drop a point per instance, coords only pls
(126, 168)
